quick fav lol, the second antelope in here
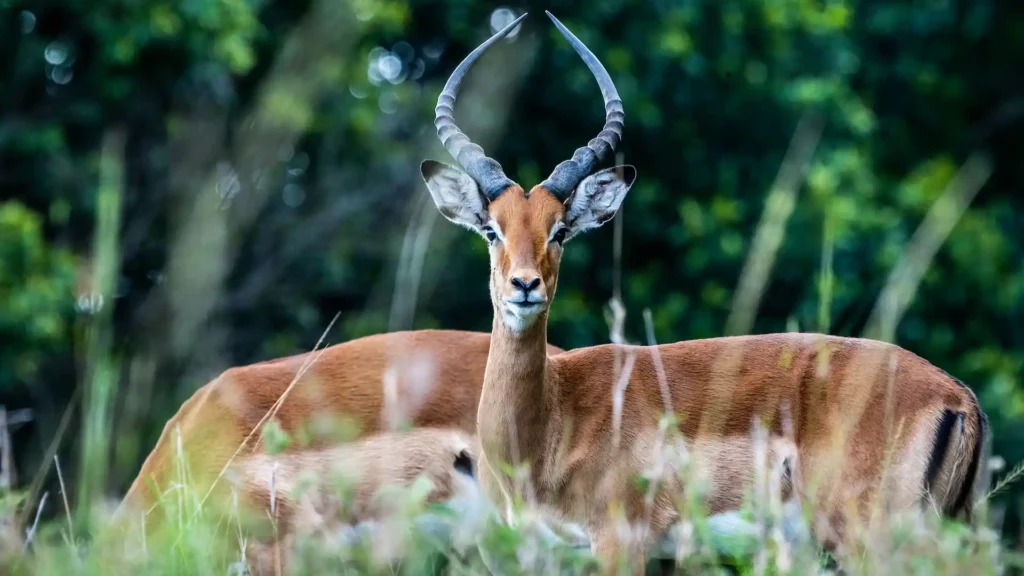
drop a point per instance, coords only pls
(853, 404)
(308, 487)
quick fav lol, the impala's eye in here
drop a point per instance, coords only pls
(559, 235)
(492, 236)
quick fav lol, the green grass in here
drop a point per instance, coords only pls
(464, 536)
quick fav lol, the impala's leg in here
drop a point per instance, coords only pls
(610, 551)
(630, 556)
(492, 487)
(494, 492)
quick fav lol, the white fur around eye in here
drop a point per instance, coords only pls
(499, 236)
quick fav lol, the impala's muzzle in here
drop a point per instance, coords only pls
(524, 294)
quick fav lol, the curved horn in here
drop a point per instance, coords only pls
(568, 175)
(485, 171)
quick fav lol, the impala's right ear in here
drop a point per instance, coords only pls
(456, 194)
(598, 198)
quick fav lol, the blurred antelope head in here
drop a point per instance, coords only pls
(526, 230)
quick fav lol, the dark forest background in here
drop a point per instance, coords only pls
(269, 154)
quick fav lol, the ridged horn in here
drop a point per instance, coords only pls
(485, 171)
(568, 175)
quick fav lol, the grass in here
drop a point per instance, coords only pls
(463, 536)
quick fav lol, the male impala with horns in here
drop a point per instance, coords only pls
(873, 403)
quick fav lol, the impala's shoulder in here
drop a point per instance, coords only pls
(590, 352)
(582, 362)
(377, 348)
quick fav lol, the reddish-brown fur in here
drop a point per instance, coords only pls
(345, 380)
(854, 405)
(306, 485)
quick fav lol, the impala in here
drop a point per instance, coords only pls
(442, 370)
(434, 377)
(852, 404)
(306, 485)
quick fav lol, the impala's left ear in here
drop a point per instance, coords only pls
(597, 199)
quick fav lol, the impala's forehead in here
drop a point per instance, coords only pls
(537, 211)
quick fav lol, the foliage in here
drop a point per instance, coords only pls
(37, 288)
(463, 535)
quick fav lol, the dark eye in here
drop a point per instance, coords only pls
(491, 234)
(559, 235)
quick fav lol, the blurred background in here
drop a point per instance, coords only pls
(186, 186)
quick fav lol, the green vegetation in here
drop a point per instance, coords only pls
(463, 536)
(190, 186)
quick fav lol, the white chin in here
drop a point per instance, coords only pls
(517, 319)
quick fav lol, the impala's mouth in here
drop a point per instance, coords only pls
(524, 306)
(520, 312)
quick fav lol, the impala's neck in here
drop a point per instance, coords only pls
(515, 408)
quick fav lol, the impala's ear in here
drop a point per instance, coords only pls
(456, 194)
(597, 199)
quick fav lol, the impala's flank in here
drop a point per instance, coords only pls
(875, 403)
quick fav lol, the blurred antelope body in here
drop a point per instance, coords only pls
(300, 490)
(853, 405)
(428, 378)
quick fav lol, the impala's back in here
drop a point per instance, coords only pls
(873, 424)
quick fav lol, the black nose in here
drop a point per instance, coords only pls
(522, 285)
